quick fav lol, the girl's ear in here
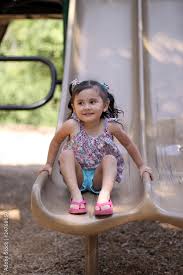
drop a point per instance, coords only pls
(72, 105)
(106, 106)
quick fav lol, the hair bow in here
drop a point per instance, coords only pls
(105, 86)
(75, 82)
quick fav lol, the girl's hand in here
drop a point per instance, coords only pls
(146, 169)
(47, 167)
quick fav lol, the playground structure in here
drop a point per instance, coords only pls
(32, 10)
(136, 47)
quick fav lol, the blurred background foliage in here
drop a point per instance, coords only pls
(27, 82)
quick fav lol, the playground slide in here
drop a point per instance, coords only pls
(103, 44)
(163, 42)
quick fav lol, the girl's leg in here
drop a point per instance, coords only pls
(72, 174)
(105, 177)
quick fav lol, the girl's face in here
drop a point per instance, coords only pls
(89, 106)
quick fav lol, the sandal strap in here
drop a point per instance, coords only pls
(104, 203)
(77, 203)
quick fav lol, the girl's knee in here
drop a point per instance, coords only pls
(65, 155)
(109, 159)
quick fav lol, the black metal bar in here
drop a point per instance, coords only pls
(3, 29)
(54, 82)
(31, 7)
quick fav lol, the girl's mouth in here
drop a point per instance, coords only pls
(88, 114)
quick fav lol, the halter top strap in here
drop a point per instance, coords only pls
(106, 122)
(74, 116)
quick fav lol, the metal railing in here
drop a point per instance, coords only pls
(54, 82)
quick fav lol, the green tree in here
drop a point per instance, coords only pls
(23, 82)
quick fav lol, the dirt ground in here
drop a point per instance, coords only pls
(135, 248)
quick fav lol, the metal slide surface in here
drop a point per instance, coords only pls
(163, 41)
(102, 44)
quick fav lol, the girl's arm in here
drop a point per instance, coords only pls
(66, 130)
(117, 131)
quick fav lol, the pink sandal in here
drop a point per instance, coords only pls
(79, 210)
(103, 212)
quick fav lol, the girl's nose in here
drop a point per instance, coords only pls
(87, 106)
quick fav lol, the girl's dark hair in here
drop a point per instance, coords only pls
(103, 89)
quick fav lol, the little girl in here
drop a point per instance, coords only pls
(90, 160)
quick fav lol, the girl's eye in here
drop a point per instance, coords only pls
(80, 103)
(92, 101)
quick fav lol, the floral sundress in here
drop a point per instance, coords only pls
(89, 151)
